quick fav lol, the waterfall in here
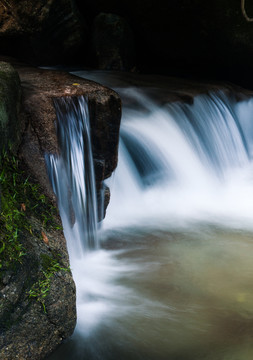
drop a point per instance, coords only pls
(72, 174)
(183, 162)
(172, 277)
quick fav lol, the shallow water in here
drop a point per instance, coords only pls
(166, 295)
(173, 277)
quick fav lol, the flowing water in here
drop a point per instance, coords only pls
(169, 274)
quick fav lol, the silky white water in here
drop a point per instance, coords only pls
(184, 163)
(172, 278)
(72, 175)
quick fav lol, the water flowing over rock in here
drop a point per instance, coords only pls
(40, 87)
(185, 170)
(27, 330)
(73, 170)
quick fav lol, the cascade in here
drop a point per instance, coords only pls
(172, 277)
(181, 162)
(72, 174)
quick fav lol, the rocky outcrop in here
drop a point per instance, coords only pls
(32, 325)
(44, 31)
(184, 37)
(37, 292)
(39, 89)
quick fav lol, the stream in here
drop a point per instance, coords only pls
(168, 274)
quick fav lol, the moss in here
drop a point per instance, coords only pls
(40, 289)
(21, 200)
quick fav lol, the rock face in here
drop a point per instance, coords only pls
(33, 326)
(196, 37)
(39, 89)
(10, 96)
(28, 331)
(113, 42)
(43, 31)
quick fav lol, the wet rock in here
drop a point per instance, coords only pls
(28, 331)
(39, 89)
(113, 42)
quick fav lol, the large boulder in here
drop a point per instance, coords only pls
(40, 87)
(33, 254)
(48, 31)
(32, 325)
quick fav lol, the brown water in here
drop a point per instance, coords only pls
(184, 295)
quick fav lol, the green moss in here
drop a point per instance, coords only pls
(20, 201)
(40, 289)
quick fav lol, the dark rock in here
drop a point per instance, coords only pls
(45, 31)
(113, 42)
(38, 113)
(39, 89)
(189, 37)
(10, 97)
(27, 331)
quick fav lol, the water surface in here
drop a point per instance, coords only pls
(172, 278)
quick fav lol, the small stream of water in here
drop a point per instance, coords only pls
(171, 274)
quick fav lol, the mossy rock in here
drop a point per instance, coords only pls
(37, 292)
(10, 97)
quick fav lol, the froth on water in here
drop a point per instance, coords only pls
(173, 276)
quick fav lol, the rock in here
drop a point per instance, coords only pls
(113, 42)
(39, 88)
(10, 97)
(31, 329)
(48, 31)
(196, 37)
(28, 331)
